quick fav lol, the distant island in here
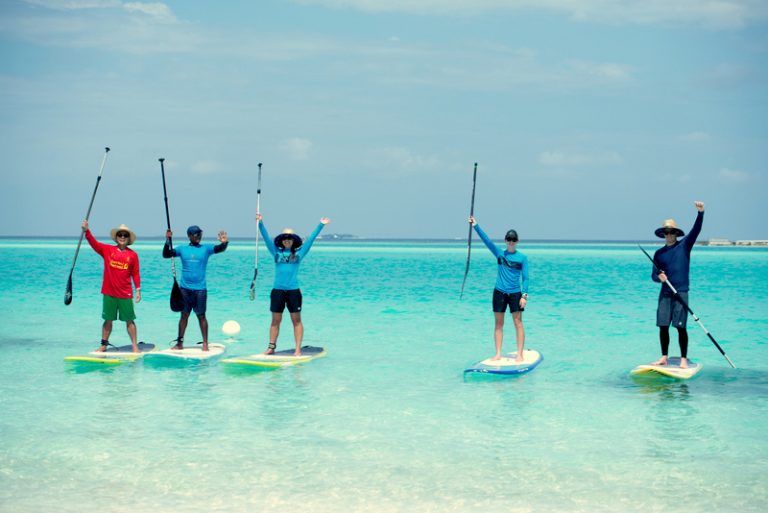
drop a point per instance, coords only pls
(338, 236)
(727, 242)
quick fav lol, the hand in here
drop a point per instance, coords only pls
(138, 295)
(662, 277)
(523, 302)
(699, 205)
(472, 220)
(223, 236)
(84, 226)
(168, 234)
(259, 217)
(325, 220)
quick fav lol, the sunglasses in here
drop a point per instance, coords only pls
(510, 239)
(670, 232)
(124, 235)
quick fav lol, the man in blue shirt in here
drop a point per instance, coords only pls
(674, 262)
(511, 288)
(194, 260)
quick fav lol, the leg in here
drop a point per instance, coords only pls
(682, 337)
(106, 331)
(183, 320)
(664, 340)
(274, 331)
(498, 333)
(204, 330)
(298, 331)
(131, 327)
(517, 318)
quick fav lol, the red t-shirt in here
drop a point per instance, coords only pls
(119, 268)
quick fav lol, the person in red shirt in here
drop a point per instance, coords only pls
(121, 264)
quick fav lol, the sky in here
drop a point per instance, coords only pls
(588, 119)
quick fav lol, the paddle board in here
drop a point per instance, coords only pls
(188, 354)
(672, 369)
(507, 364)
(113, 355)
(278, 359)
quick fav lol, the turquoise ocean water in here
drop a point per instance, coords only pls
(386, 422)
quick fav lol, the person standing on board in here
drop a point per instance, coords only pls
(673, 262)
(121, 264)
(511, 288)
(289, 251)
(194, 291)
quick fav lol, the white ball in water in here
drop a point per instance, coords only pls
(230, 328)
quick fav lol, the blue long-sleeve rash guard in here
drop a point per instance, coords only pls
(287, 265)
(675, 260)
(513, 267)
(194, 259)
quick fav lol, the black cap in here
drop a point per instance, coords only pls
(511, 235)
(194, 230)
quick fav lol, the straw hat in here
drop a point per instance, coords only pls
(123, 228)
(668, 224)
(288, 234)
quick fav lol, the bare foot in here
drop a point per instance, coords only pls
(519, 358)
(683, 363)
(270, 350)
(136, 349)
(101, 349)
(178, 347)
(205, 347)
(660, 361)
(497, 357)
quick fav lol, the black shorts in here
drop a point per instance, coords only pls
(671, 311)
(196, 300)
(279, 299)
(501, 300)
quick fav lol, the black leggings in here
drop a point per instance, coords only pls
(682, 337)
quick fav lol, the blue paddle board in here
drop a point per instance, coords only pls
(671, 369)
(279, 359)
(113, 355)
(507, 365)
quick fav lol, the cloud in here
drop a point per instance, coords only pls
(297, 148)
(206, 167)
(695, 137)
(733, 176)
(404, 159)
(569, 159)
(158, 11)
(715, 14)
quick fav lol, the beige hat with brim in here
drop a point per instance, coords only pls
(668, 224)
(123, 228)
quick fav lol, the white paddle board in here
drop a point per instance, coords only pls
(113, 355)
(188, 354)
(672, 369)
(507, 364)
(278, 359)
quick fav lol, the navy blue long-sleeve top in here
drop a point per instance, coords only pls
(675, 260)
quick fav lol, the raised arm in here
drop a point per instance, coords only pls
(308, 243)
(484, 237)
(693, 234)
(268, 242)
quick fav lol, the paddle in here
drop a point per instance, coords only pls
(469, 238)
(177, 302)
(256, 265)
(688, 308)
(68, 293)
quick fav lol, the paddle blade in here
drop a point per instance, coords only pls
(177, 301)
(68, 293)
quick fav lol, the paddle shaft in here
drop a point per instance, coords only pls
(688, 308)
(469, 237)
(68, 293)
(167, 215)
(258, 211)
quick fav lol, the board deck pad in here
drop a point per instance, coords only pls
(190, 353)
(507, 364)
(672, 369)
(113, 355)
(279, 359)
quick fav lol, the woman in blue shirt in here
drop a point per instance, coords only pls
(289, 251)
(511, 288)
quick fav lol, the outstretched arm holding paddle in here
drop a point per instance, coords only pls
(671, 264)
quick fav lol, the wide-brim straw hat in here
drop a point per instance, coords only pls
(669, 224)
(123, 228)
(288, 234)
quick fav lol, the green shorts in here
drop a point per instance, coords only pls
(112, 306)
